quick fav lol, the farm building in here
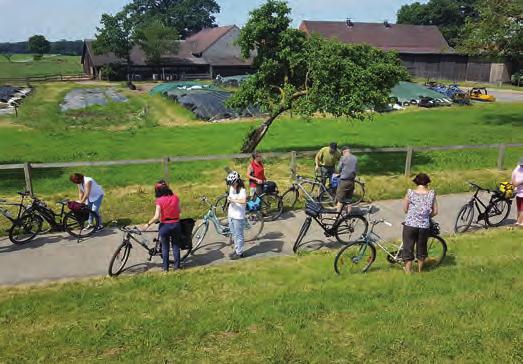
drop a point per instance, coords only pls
(206, 54)
(422, 49)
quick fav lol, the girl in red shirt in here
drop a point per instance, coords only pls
(256, 173)
(168, 213)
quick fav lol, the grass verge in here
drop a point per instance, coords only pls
(282, 310)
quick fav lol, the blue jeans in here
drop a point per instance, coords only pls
(169, 234)
(237, 226)
(95, 206)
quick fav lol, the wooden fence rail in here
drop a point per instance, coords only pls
(45, 78)
(27, 167)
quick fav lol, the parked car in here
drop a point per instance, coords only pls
(517, 78)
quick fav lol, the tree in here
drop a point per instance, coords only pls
(309, 74)
(449, 15)
(156, 40)
(38, 45)
(186, 16)
(115, 35)
(498, 31)
(7, 56)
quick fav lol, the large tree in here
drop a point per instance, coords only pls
(38, 45)
(449, 15)
(498, 31)
(309, 75)
(156, 40)
(186, 16)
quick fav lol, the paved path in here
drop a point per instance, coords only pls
(59, 256)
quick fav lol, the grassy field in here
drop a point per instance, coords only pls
(152, 127)
(23, 65)
(283, 310)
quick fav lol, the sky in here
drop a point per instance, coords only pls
(78, 19)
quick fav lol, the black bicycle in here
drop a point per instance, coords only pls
(492, 214)
(23, 227)
(79, 224)
(130, 235)
(344, 227)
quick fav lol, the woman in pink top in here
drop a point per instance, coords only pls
(168, 213)
(517, 182)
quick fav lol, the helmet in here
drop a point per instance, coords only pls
(232, 177)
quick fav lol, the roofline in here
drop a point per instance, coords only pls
(304, 23)
(231, 27)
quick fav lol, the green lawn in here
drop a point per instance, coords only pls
(282, 310)
(22, 65)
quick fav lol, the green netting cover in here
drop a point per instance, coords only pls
(407, 91)
(164, 88)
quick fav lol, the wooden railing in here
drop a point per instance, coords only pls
(293, 155)
(45, 78)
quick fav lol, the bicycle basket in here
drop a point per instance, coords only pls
(187, 226)
(80, 211)
(506, 190)
(434, 228)
(254, 205)
(270, 187)
(312, 209)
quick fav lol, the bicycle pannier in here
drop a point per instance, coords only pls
(270, 187)
(80, 210)
(506, 189)
(254, 205)
(187, 226)
(312, 209)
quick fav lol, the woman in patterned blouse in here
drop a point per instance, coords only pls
(419, 205)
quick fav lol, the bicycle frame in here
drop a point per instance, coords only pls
(476, 202)
(129, 235)
(211, 216)
(49, 215)
(297, 185)
(6, 212)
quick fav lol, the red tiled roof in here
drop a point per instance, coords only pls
(403, 38)
(205, 38)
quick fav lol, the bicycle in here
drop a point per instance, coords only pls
(75, 224)
(344, 227)
(328, 197)
(253, 226)
(122, 253)
(359, 255)
(24, 227)
(493, 214)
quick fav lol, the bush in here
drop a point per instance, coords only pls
(37, 57)
(114, 72)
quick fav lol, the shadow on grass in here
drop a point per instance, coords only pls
(491, 118)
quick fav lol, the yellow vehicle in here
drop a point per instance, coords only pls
(481, 94)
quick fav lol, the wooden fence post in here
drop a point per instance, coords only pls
(408, 161)
(501, 156)
(293, 164)
(28, 180)
(166, 169)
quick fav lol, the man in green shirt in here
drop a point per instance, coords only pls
(326, 161)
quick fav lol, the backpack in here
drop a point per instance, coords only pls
(80, 210)
(270, 187)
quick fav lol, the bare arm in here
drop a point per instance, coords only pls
(406, 203)
(79, 193)
(434, 208)
(155, 218)
(241, 200)
(317, 159)
(87, 192)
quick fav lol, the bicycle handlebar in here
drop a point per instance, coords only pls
(133, 230)
(478, 187)
(381, 221)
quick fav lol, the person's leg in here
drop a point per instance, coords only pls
(95, 206)
(519, 204)
(421, 247)
(175, 242)
(407, 251)
(165, 239)
(240, 226)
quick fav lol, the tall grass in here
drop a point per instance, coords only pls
(282, 310)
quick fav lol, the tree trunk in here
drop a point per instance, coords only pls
(255, 137)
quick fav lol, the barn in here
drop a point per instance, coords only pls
(206, 54)
(422, 49)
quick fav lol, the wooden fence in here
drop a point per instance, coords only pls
(293, 155)
(44, 78)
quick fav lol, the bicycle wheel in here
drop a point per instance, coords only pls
(80, 228)
(271, 206)
(312, 189)
(326, 200)
(253, 225)
(437, 250)
(302, 233)
(497, 212)
(359, 193)
(351, 228)
(25, 229)
(222, 207)
(197, 237)
(355, 258)
(119, 259)
(464, 218)
(289, 199)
